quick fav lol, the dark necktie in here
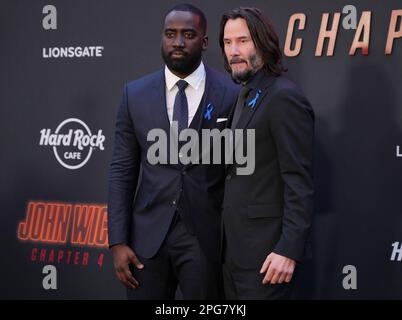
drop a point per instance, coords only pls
(180, 108)
(239, 106)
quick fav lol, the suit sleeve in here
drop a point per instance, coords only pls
(292, 127)
(123, 176)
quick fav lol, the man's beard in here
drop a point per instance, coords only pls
(245, 75)
(186, 65)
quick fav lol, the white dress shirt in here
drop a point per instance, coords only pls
(194, 91)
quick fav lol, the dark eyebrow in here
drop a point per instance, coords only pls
(189, 30)
(180, 30)
(238, 38)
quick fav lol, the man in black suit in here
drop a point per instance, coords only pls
(267, 214)
(168, 234)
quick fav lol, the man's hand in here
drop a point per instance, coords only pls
(122, 257)
(278, 269)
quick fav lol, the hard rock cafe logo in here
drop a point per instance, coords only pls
(72, 142)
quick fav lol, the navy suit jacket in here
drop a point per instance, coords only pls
(143, 198)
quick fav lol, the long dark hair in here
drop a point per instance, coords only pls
(263, 34)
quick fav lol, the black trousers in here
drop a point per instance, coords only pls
(180, 262)
(246, 284)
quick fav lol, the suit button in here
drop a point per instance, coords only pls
(184, 172)
(228, 177)
(174, 202)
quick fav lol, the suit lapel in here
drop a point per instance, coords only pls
(212, 97)
(230, 115)
(158, 110)
(249, 111)
(157, 104)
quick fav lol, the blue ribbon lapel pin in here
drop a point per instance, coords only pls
(253, 102)
(208, 112)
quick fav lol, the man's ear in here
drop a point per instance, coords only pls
(205, 43)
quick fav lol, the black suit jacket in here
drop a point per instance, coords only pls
(271, 209)
(196, 191)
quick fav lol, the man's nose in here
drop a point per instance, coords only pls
(178, 41)
(233, 50)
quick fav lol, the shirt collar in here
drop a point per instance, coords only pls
(194, 79)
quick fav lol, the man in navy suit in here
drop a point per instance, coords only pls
(164, 220)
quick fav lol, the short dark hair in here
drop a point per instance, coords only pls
(263, 34)
(186, 7)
